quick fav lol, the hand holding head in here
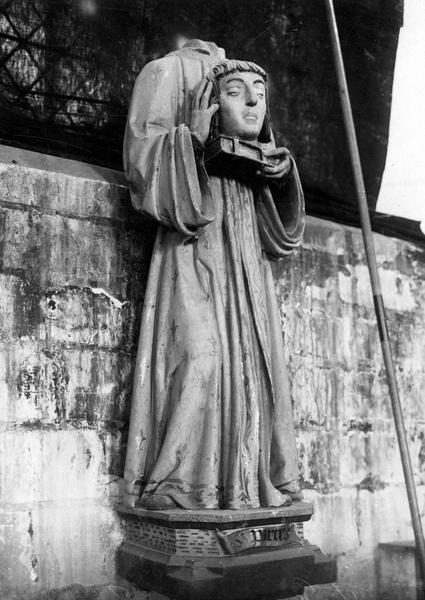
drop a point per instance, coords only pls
(202, 112)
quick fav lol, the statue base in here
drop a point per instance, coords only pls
(254, 554)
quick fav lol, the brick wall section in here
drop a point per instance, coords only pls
(73, 266)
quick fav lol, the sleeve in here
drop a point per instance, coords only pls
(166, 181)
(281, 215)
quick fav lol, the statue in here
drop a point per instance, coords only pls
(211, 424)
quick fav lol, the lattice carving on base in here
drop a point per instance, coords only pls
(181, 541)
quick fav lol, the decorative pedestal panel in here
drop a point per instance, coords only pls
(255, 554)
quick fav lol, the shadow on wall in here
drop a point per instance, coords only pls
(66, 87)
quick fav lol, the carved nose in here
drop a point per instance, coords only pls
(252, 99)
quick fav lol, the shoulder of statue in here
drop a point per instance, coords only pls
(165, 65)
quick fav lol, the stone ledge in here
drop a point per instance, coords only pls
(9, 155)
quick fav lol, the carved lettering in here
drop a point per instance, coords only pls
(239, 540)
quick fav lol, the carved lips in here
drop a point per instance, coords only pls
(250, 116)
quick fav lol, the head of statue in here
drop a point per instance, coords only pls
(240, 88)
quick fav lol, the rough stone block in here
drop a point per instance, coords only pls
(397, 571)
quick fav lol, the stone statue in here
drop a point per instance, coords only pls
(211, 424)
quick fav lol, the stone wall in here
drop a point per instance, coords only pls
(73, 263)
(347, 444)
(73, 266)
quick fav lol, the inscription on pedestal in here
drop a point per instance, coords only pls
(237, 541)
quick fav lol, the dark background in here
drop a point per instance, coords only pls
(67, 68)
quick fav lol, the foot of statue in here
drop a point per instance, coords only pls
(293, 490)
(158, 502)
(287, 500)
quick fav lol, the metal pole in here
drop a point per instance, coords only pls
(377, 295)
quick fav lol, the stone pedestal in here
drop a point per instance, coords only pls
(253, 554)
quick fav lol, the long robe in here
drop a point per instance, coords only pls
(211, 423)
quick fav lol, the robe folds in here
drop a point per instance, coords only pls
(211, 423)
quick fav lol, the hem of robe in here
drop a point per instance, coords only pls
(209, 497)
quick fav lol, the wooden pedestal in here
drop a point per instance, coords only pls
(255, 554)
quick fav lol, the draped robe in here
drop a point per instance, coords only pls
(211, 423)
